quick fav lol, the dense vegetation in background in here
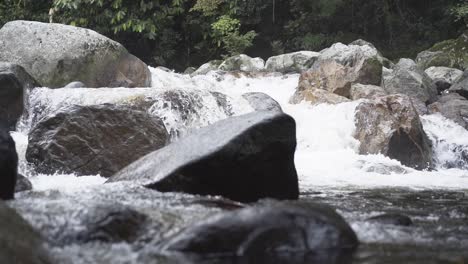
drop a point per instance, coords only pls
(181, 33)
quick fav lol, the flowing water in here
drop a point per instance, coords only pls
(329, 168)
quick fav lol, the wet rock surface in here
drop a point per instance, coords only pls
(255, 150)
(22, 184)
(8, 165)
(453, 107)
(461, 87)
(292, 62)
(90, 140)
(262, 102)
(392, 219)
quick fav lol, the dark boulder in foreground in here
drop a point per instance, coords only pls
(22, 184)
(390, 125)
(8, 166)
(14, 83)
(274, 228)
(392, 219)
(90, 140)
(19, 242)
(243, 158)
(57, 54)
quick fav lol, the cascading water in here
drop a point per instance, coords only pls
(326, 157)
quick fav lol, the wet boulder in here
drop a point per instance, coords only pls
(243, 63)
(461, 86)
(450, 53)
(443, 77)
(338, 67)
(274, 228)
(8, 165)
(57, 54)
(22, 184)
(392, 219)
(14, 83)
(75, 85)
(19, 242)
(407, 78)
(292, 62)
(362, 91)
(262, 102)
(243, 158)
(453, 106)
(96, 139)
(390, 125)
(317, 96)
(207, 67)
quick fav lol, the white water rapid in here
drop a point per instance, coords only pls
(326, 153)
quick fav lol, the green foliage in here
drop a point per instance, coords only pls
(460, 12)
(226, 31)
(24, 10)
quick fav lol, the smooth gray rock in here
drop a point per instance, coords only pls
(273, 228)
(392, 219)
(407, 78)
(262, 102)
(8, 165)
(453, 106)
(15, 82)
(75, 85)
(19, 242)
(57, 54)
(90, 140)
(461, 87)
(243, 158)
(292, 62)
(243, 63)
(207, 67)
(443, 77)
(22, 184)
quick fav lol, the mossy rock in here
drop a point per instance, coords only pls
(452, 53)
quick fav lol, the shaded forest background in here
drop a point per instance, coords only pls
(182, 33)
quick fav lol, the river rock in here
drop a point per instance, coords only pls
(90, 140)
(407, 78)
(461, 87)
(390, 125)
(22, 184)
(451, 53)
(392, 219)
(317, 96)
(8, 165)
(19, 242)
(264, 229)
(57, 54)
(292, 62)
(453, 106)
(443, 77)
(242, 62)
(243, 158)
(262, 102)
(362, 91)
(75, 85)
(207, 67)
(14, 83)
(338, 67)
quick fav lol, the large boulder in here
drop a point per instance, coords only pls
(443, 77)
(243, 158)
(317, 96)
(407, 78)
(56, 54)
(340, 66)
(262, 102)
(19, 242)
(8, 165)
(292, 62)
(362, 91)
(461, 87)
(451, 53)
(90, 140)
(207, 67)
(453, 106)
(390, 125)
(267, 229)
(243, 63)
(14, 83)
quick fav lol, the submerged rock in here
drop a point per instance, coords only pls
(453, 106)
(292, 62)
(262, 102)
(443, 77)
(338, 67)
(274, 228)
(243, 158)
(22, 184)
(14, 83)
(407, 78)
(8, 165)
(56, 54)
(391, 126)
(19, 242)
(361, 91)
(90, 140)
(392, 219)
(242, 62)
(451, 53)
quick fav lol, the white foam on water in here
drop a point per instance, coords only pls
(326, 152)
